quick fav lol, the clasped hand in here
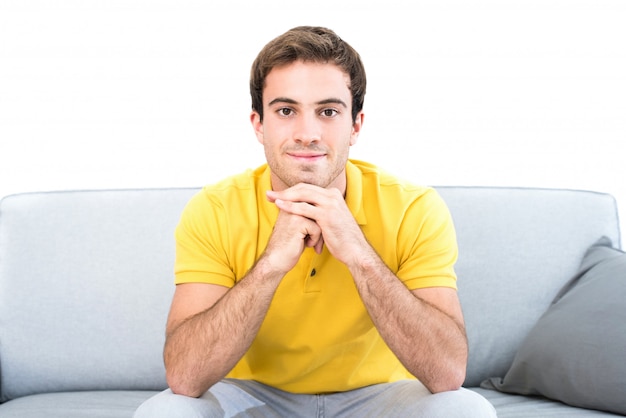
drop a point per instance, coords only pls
(311, 216)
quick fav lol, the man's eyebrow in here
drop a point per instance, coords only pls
(331, 100)
(282, 100)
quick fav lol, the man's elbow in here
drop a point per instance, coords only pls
(180, 386)
(449, 381)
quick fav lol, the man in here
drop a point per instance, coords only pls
(314, 285)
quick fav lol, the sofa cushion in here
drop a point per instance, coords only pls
(574, 353)
(518, 406)
(92, 404)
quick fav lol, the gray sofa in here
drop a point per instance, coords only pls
(86, 280)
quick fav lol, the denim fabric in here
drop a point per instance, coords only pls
(238, 398)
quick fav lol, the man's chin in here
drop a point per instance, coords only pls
(320, 178)
(314, 182)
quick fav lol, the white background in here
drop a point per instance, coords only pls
(125, 94)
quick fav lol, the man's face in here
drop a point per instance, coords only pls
(307, 127)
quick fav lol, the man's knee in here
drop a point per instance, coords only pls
(411, 395)
(169, 405)
(459, 403)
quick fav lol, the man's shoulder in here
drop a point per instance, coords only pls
(375, 176)
(226, 192)
(243, 181)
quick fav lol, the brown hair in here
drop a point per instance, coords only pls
(309, 44)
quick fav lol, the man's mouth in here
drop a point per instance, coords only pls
(306, 156)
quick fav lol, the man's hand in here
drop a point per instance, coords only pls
(326, 209)
(291, 234)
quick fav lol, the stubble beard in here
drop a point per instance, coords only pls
(322, 177)
(290, 176)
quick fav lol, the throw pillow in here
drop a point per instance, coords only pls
(575, 352)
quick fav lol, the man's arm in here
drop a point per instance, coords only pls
(210, 327)
(424, 328)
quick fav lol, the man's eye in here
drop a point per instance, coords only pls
(285, 111)
(329, 112)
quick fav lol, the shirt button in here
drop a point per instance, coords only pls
(313, 272)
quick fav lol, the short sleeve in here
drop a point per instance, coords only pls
(201, 242)
(427, 244)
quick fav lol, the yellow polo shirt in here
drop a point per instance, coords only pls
(317, 336)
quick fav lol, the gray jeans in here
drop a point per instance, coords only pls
(242, 398)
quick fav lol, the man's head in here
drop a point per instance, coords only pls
(308, 44)
(307, 92)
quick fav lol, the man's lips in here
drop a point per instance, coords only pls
(306, 156)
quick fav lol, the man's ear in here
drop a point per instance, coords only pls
(356, 127)
(257, 125)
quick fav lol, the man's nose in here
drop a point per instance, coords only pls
(308, 130)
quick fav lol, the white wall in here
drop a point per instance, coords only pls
(141, 93)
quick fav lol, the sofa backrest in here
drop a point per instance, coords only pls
(517, 248)
(86, 278)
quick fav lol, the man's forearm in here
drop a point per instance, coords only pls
(202, 349)
(430, 343)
